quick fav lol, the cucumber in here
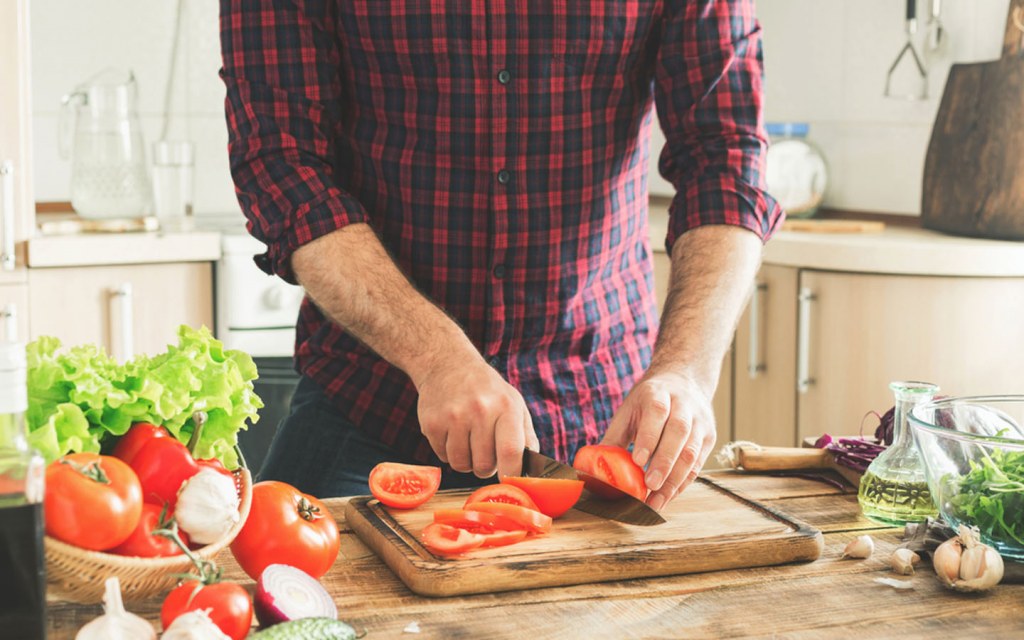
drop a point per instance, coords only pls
(307, 629)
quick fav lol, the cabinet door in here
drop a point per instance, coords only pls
(17, 205)
(764, 383)
(128, 310)
(721, 404)
(963, 334)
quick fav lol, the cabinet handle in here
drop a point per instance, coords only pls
(7, 215)
(10, 319)
(124, 341)
(754, 364)
(803, 354)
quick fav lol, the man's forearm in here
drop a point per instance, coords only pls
(353, 280)
(713, 268)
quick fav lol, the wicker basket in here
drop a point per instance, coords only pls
(78, 575)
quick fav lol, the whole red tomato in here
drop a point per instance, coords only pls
(92, 501)
(143, 543)
(163, 465)
(288, 527)
(229, 605)
(137, 437)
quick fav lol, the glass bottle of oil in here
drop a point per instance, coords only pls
(894, 489)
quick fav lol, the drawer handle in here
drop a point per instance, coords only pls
(754, 363)
(10, 319)
(803, 354)
(7, 215)
(122, 299)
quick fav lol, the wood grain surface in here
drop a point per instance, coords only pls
(711, 529)
(974, 170)
(828, 598)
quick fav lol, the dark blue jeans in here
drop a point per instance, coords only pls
(321, 453)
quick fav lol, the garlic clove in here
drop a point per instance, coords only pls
(860, 547)
(946, 561)
(965, 564)
(902, 561)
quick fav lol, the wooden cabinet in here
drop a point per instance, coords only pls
(17, 206)
(128, 309)
(722, 402)
(827, 344)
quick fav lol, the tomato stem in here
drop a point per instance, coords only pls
(308, 510)
(198, 419)
(209, 573)
(91, 470)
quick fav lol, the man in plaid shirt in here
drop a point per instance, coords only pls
(459, 186)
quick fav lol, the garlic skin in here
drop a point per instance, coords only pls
(116, 623)
(860, 547)
(965, 564)
(207, 506)
(194, 625)
(902, 561)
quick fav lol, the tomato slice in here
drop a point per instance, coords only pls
(471, 520)
(553, 496)
(504, 493)
(502, 538)
(533, 521)
(404, 486)
(447, 540)
(613, 465)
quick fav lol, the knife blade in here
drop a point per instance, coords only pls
(624, 508)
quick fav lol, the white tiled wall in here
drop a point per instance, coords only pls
(72, 41)
(825, 64)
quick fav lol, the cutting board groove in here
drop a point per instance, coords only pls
(709, 528)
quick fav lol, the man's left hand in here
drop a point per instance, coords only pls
(668, 419)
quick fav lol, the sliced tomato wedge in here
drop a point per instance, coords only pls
(404, 486)
(613, 465)
(502, 538)
(471, 520)
(503, 493)
(553, 496)
(447, 540)
(533, 521)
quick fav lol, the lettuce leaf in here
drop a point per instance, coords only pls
(81, 398)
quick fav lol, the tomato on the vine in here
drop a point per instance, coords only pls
(138, 436)
(91, 501)
(163, 465)
(286, 526)
(228, 603)
(142, 543)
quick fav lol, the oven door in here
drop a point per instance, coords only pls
(275, 386)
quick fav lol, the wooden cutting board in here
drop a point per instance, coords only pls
(974, 170)
(709, 528)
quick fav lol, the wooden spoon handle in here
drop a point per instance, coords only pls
(782, 458)
(1014, 38)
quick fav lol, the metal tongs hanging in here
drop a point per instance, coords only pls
(920, 76)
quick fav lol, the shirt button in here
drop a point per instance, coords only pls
(499, 271)
(504, 76)
(504, 176)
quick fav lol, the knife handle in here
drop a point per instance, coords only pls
(782, 458)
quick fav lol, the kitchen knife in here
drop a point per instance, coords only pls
(624, 508)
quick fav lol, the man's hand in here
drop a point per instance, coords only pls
(474, 420)
(669, 420)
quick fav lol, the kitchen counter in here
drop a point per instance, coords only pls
(97, 249)
(898, 250)
(825, 598)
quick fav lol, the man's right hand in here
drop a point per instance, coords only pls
(474, 420)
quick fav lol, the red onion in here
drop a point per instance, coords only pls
(285, 593)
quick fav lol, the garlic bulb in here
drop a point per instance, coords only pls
(194, 625)
(116, 623)
(903, 561)
(207, 506)
(965, 564)
(860, 547)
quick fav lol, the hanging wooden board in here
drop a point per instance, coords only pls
(708, 528)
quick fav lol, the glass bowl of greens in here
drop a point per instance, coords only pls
(973, 452)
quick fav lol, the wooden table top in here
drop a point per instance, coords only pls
(826, 598)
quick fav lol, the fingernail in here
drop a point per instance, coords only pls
(640, 456)
(654, 480)
(657, 502)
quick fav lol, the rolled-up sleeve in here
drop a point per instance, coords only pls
(709, 98)
(281, 66)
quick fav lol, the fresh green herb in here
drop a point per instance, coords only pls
(992, 496)
(81, 397)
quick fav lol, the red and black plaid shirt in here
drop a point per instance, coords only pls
(499, 150)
